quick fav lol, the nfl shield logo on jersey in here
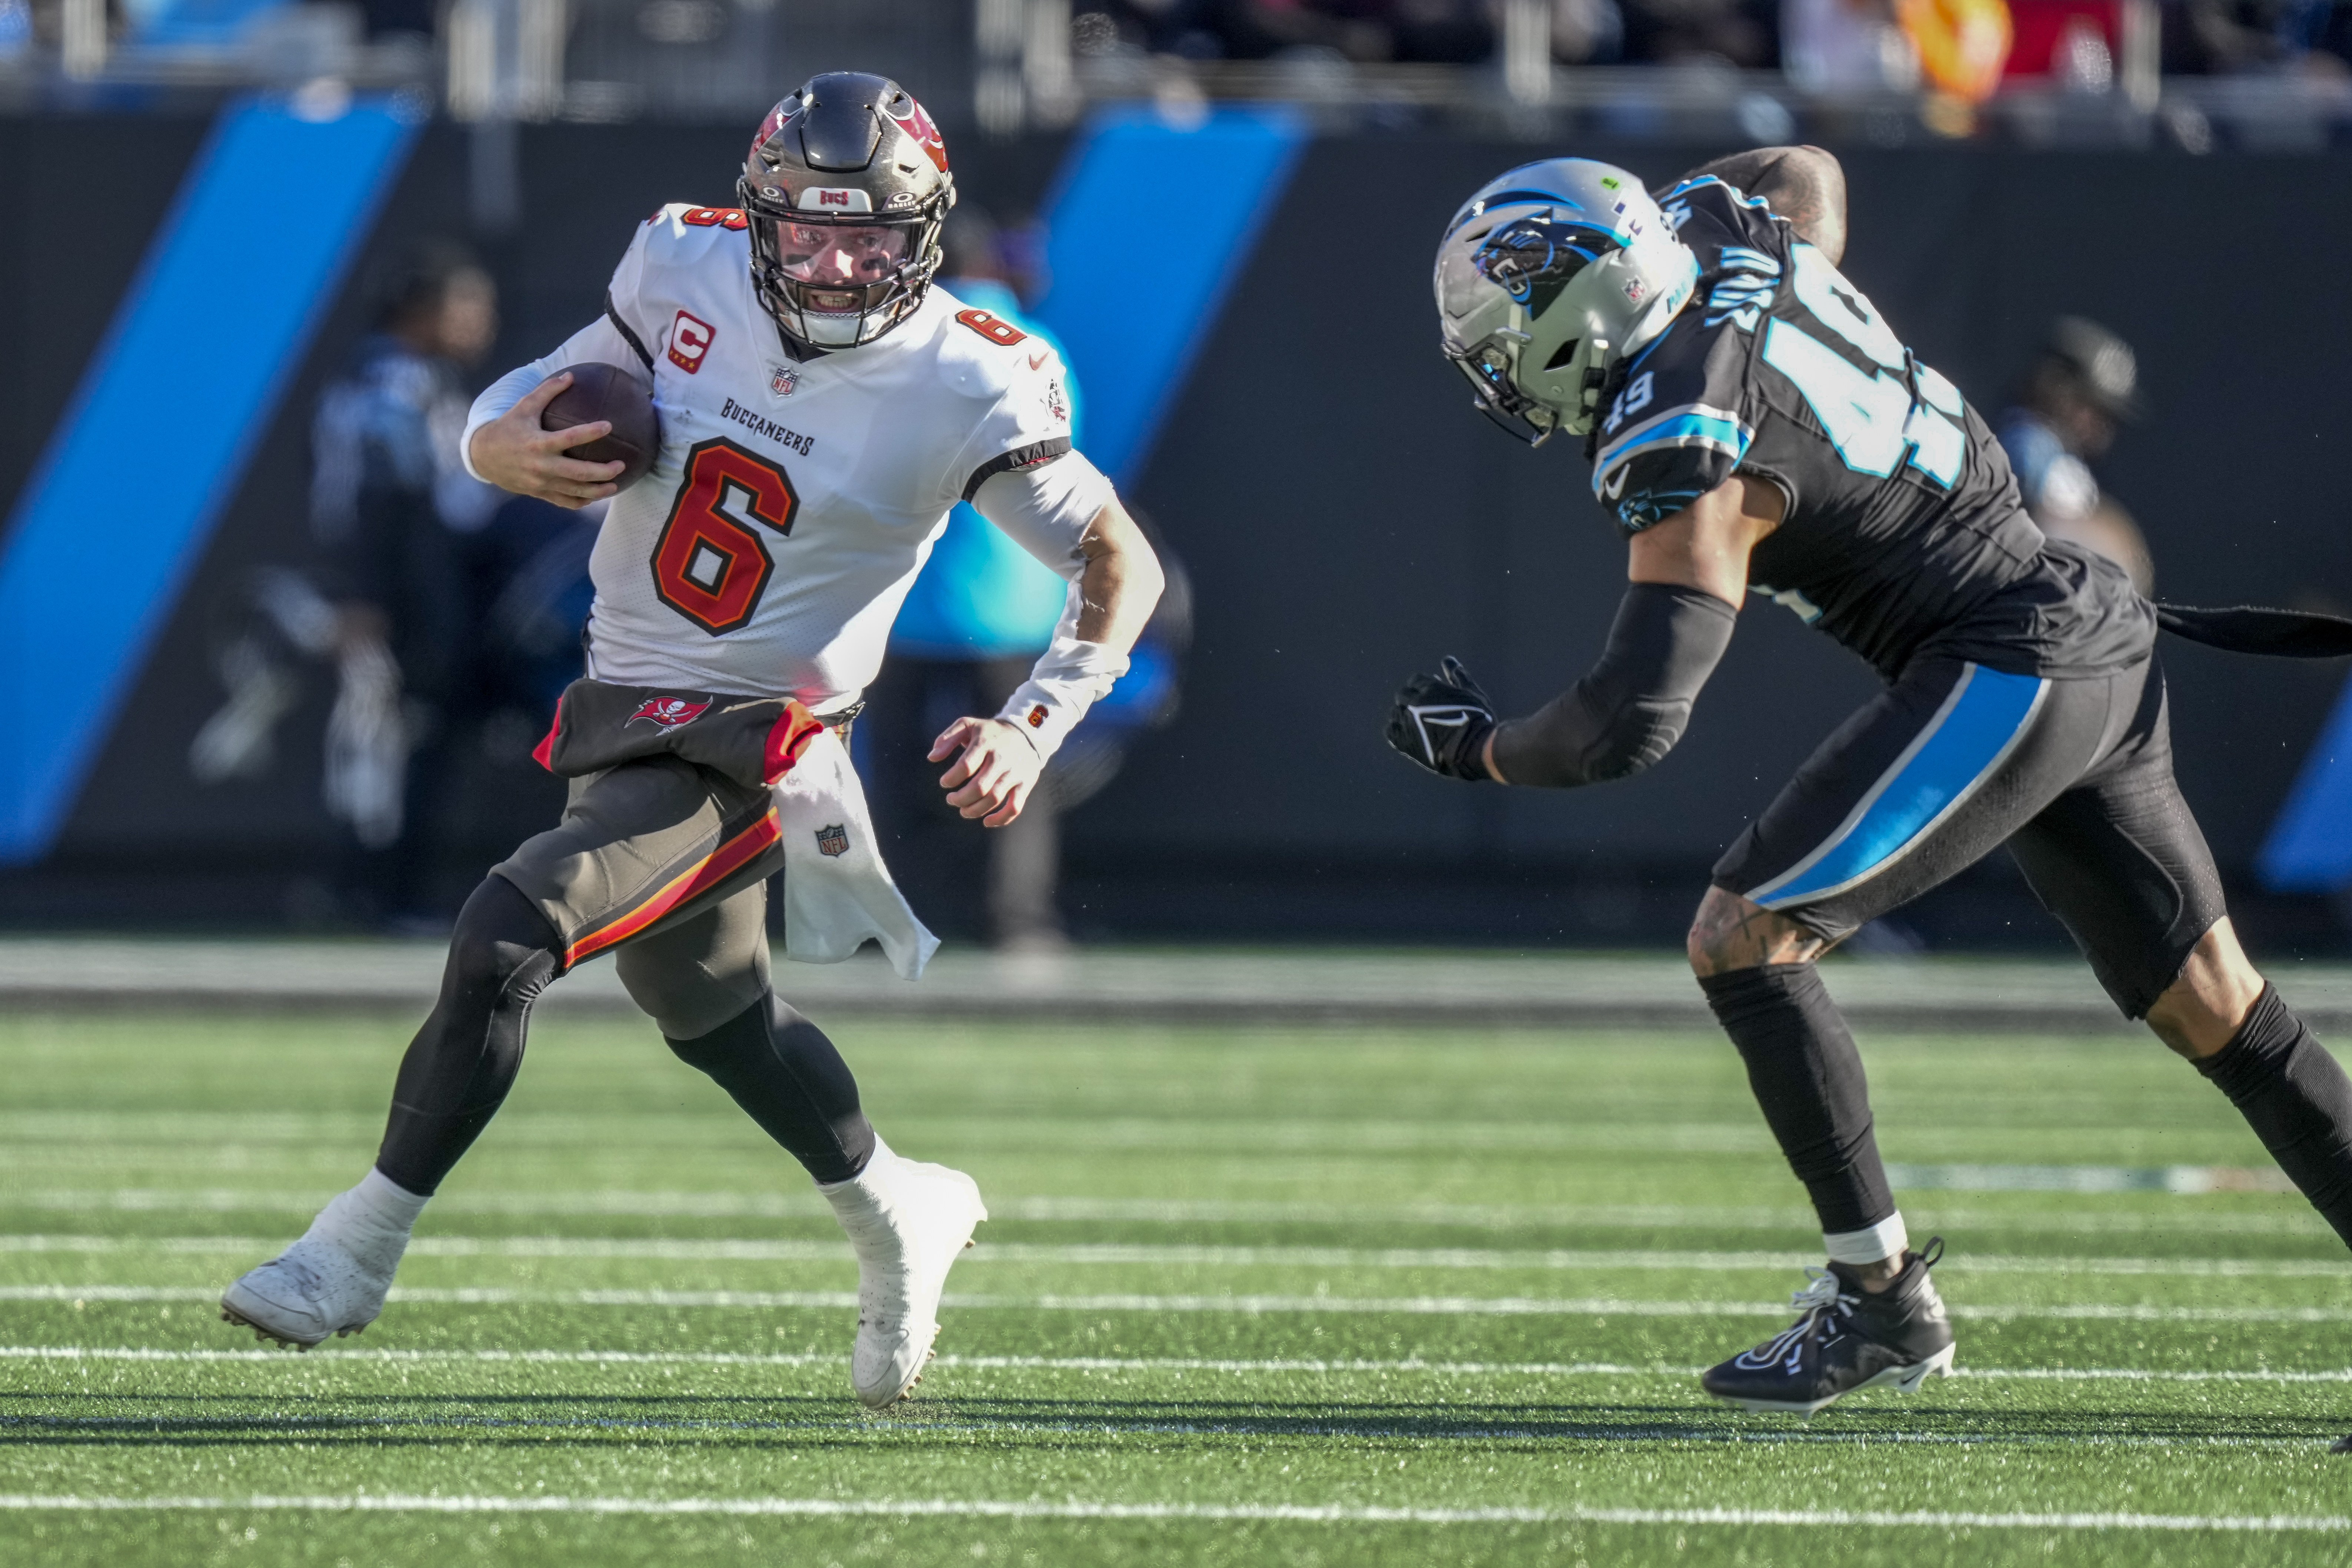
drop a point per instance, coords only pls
(783, 379)
(668, 712)
(832, 841)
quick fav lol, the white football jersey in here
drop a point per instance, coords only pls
(794, 502)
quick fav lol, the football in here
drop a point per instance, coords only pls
(607, 391)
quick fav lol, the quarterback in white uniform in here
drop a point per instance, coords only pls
(822, 410)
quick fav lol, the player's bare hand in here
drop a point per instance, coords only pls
(996, 769)
(514, 454)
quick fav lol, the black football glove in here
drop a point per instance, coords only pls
(1442, 721)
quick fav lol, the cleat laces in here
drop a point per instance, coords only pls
(1820, 1304)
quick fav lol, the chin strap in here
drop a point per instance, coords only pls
(1601, 389)
(795, 351)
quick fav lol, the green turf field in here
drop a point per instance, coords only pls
(1339, 1298)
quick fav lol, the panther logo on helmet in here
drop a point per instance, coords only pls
(1548, 281)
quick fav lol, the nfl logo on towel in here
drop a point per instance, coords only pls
(832, 841)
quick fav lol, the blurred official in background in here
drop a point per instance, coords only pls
(2080, 390)
(979, 615)
(439, 602)
(393, 508)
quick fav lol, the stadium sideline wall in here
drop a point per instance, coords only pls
(1345, 517)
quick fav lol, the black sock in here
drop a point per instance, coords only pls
(2298, 1100)
(462, 1062)
(785, 1074)
(1807, 1078)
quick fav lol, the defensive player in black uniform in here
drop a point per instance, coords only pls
(1756, 428)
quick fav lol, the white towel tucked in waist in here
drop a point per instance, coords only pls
(838, 892)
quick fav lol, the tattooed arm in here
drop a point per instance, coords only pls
(1804, 185)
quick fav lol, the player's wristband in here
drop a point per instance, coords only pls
(1068, 679)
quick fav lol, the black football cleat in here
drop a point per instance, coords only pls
(2341, 1445)
(1845, 1338)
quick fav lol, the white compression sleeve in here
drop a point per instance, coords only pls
(1046, 511)
(597, 343)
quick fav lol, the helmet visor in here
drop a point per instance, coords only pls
(837, 266)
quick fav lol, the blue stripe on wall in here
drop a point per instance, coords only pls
(155, 440)
(1976, 730)
(2309, 849)
(1148, 226)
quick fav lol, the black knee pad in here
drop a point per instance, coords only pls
(503, 950)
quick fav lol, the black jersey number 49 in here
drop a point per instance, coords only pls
(1902, 412)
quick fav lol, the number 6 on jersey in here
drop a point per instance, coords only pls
(709, 563)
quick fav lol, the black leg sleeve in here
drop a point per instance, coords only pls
(788, 1078)
(461, 1064)
(1807, 1078)
(2298, 1100)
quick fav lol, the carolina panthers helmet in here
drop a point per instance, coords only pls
(1547, 279)
(846, 186)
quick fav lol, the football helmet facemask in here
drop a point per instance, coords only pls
(1547, 279)
(845, 187)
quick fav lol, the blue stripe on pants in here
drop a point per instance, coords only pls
(127, 493)
(1970, 737)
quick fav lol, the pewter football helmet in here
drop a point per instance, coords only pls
(1548, 278)
(846, 186)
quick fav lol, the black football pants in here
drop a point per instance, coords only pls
(704, 979)
(1948, 763)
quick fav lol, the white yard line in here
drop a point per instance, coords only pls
(1146, 1254)
(1419, 1306)
(40, 1131)
(1049, 1209)
(1100, 1363)
(979, 1507)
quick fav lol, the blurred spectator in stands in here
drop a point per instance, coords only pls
(1442, 32)
(445, 607)
(1847, 46)
(2309, 38)
(388, 17)
(1179, 28)
(1681, 32)
(45, 21)
(16, 27)
(1961, 46)
(1358, 30)
(1436, 32)
(1587, 32)
(2080, 389)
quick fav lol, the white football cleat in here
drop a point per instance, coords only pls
(334, 1281)
(908, 1223)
